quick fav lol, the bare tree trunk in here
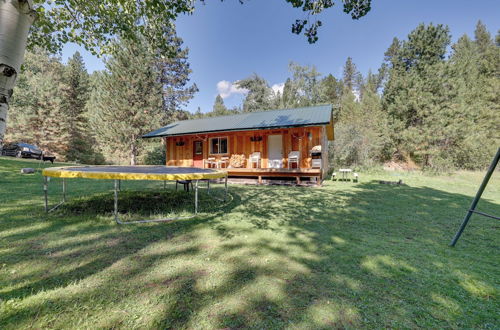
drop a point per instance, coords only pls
(16, 17)
(133, 152)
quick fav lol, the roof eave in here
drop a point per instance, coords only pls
(237, 130)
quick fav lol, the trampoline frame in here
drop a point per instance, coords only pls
(117, 188)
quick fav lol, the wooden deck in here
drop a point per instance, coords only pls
(275, 172)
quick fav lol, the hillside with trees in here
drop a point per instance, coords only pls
(430, 103)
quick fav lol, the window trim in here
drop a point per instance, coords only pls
(210, 145)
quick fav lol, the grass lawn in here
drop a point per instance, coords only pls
(344, 255)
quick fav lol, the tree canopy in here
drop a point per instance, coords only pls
(95, 24)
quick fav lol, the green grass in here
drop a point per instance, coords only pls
(344, 255)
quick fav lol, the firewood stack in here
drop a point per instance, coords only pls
(237, 161)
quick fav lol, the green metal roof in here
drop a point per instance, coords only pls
(307, 116)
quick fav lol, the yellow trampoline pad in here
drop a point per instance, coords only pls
(146, 172)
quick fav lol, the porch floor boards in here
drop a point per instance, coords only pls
(292, 171)
(261, 173)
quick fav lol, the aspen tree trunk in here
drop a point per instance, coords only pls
(16, 17)
(133, 152)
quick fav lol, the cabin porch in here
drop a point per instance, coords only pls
(260, 173)
(298, 152)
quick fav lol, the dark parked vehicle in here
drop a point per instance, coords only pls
(22, 150)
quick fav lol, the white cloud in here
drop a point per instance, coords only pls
(226, 88)
(278, 88)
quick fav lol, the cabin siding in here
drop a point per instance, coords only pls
(300, 139)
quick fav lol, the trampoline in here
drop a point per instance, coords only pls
(118, 173)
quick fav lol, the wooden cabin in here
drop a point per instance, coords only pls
(275, 143)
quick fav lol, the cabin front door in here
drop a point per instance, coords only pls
(275, 151)
(198, 153)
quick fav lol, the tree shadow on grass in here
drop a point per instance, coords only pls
(79, 238)
(375, 256)
(381, 251)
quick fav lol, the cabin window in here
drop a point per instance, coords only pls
(198, 147)
(218, 145)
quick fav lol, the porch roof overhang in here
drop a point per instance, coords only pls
(273, 119)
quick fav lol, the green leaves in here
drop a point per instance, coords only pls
(96, 24)
(356, 8)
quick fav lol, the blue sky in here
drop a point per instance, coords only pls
(229, 41)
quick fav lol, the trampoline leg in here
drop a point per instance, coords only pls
(196, 197)
(64, 190)
(164, 185)
(472, 208)
(45, 191)
(118, 221)
(117, 184)
(208, 186)
(225, 189)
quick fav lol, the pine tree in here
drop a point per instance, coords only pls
(174, 74)
(391, 55)
(75, 97)
(331, 90)
(35, 115)
(415, 95)
(288, 97)
(489, 54)
(259, 96)
(198, 114)
(127, 102)
(351, 76)
(305, 84)
(476, 104)
(219, 108)
(278, 101)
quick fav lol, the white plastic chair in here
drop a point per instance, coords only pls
(224, 161)
(255, 158)
(293, 158)
(210, 162)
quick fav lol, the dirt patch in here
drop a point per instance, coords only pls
(113, 242)
(401, 166)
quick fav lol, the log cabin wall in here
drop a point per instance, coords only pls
(180, 148)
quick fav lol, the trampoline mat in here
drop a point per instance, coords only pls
(134, 172)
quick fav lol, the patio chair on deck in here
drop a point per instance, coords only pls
(255, 158)
(209, 162)
(293, 158)
(224, 161)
